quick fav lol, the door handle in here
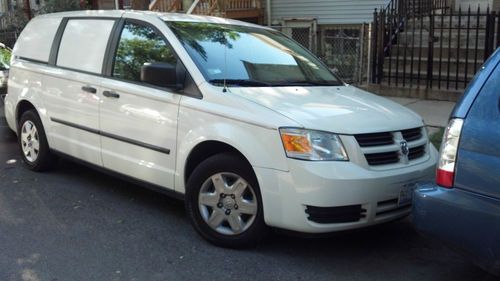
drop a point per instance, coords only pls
(89, 89)
(110, 94)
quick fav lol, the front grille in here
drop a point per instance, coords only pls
(375, 139)
(382, 158)
(416, 152)
(342, 214)
(412, 134)
(383, 148)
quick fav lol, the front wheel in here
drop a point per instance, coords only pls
(224, 203)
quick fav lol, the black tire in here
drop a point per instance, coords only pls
(234, 165)
(45, 160)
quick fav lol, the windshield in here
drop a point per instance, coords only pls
(248, 56)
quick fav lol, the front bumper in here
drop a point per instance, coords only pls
(466, 221)
(287, 195)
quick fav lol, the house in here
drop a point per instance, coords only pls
(245, 10)
(336, 31)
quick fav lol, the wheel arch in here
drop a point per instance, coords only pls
(206, 149)
(23, 106)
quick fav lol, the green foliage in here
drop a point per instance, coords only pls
(4, 58)
(437, 137)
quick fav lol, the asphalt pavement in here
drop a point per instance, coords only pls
(74, 223)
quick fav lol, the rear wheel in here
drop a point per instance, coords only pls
(224, 204)
(33, 142)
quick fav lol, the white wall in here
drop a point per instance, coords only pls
(327, 11)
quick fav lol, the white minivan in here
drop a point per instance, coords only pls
(240, 121)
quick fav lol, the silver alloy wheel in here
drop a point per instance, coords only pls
(227, 203)
(30, 143)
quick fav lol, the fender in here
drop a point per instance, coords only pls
(260, 145)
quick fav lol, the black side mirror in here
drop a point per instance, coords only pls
(164, 75)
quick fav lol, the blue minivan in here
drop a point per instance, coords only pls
(462, 207)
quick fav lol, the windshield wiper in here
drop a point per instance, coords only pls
(239, 82)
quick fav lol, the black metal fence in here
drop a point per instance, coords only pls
(430, 45)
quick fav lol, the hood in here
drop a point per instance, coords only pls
(343, 109)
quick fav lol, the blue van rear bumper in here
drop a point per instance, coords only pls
(466, 221)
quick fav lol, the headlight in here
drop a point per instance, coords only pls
(312, 145)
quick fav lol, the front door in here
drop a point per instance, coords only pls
(139, 121)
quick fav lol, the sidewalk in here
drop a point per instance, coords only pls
(433, 105)
(435, 113)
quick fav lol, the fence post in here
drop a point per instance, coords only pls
(430, 50)
(491, 34)
(374, 45)
(382, 40)
(498, 30)
(361, 53)
(490, 27)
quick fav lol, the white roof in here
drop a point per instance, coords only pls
(163, 16)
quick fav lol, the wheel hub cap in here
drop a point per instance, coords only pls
(30, 143)
(227, 203)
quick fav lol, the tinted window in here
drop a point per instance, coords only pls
(138, 45)
(83, 44)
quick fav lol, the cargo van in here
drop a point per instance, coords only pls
(240, 121)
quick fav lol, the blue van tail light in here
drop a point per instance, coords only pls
(448, 153)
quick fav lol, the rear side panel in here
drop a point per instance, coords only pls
(29, 59)
(479, 150)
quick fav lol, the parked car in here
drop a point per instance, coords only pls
(239, 120)
(462, 207)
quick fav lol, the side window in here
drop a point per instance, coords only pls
(138, 45)
(83, 44)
